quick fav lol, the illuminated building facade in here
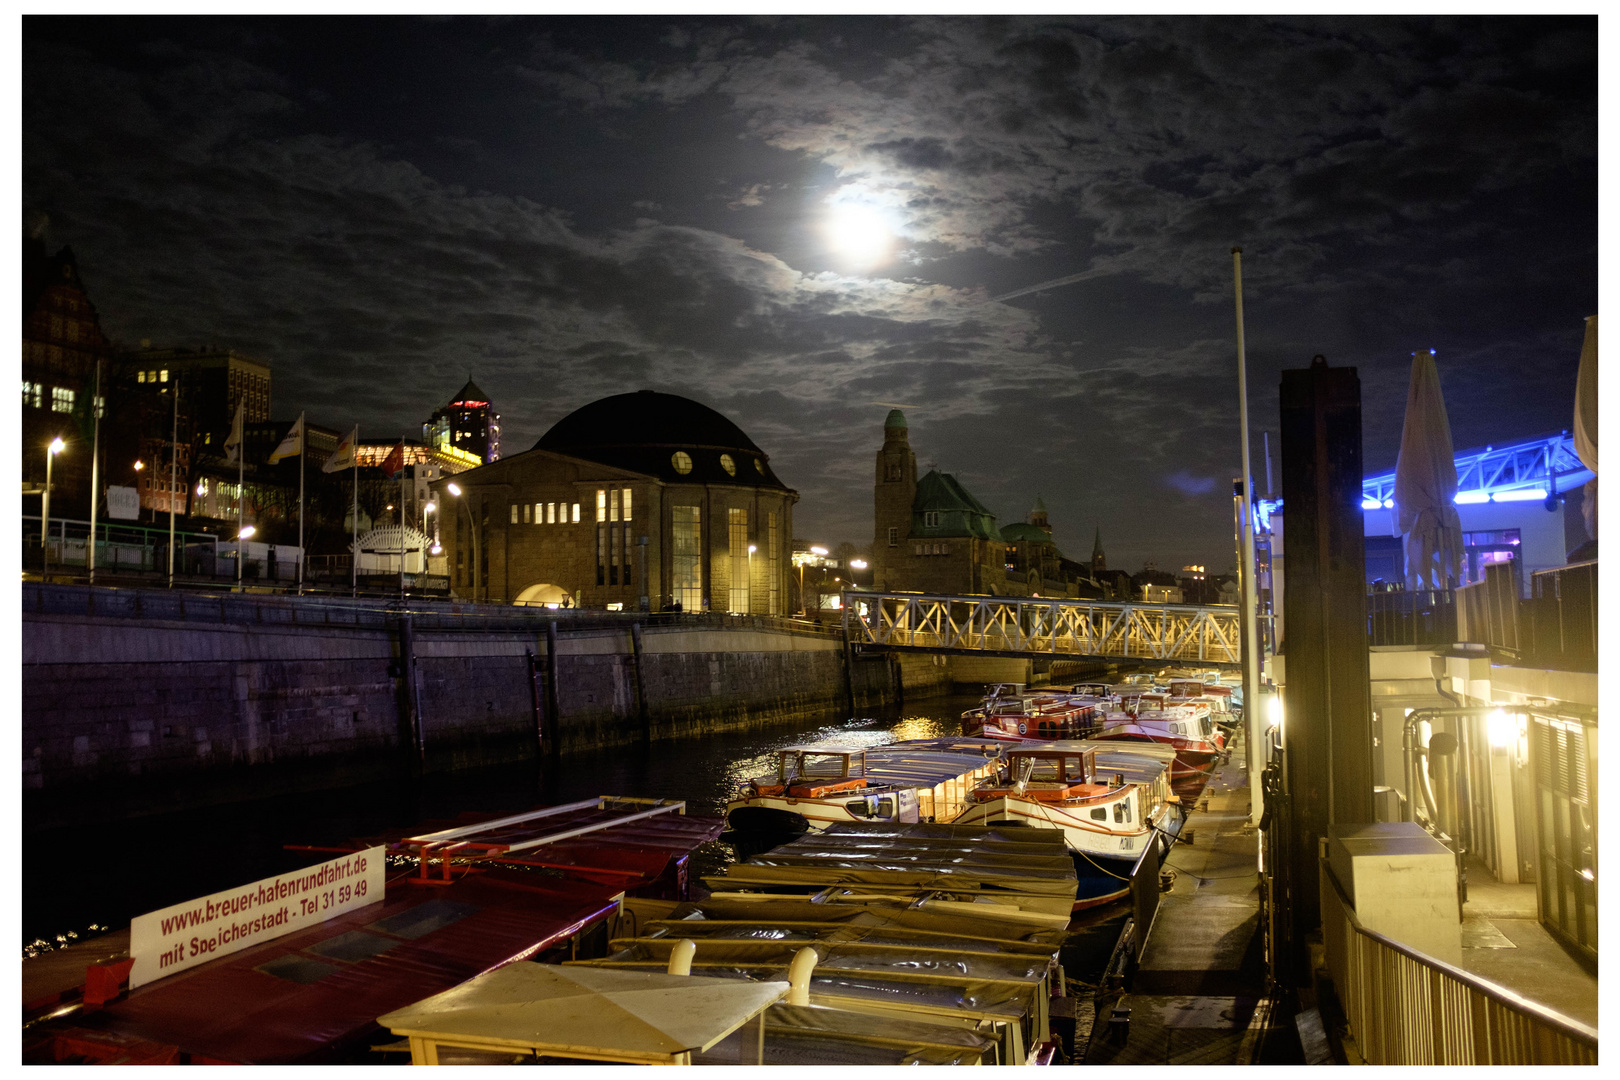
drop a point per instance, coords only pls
(636, 497)
(469, 424)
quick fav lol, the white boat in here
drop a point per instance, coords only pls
(814, 786)
(1110, 803)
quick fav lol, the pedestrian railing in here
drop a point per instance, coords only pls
(263, 608)
(1419, 617)
(1406, 1008)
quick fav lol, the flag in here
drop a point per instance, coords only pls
(233, 444)
(293, 444)
(394, 464)
(343, 456)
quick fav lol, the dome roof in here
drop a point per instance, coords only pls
(895, 419)
(644, 432)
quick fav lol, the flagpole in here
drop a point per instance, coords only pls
(1253, 661)
(354, 521)
(174, 468)
(95, 471)
(241, 493)
(303, 446)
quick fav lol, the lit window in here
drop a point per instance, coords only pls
(32, 394)
(140, 376)
(759, 466)
(727, 464)
(931, 519)
(576, 513)
(61, 399)
(916, 549)
(514, 513)
(627, 504)
(163, 376)
(551, 513)
(682, 462)
(539, 513)
(101, 407)
(613, 505)
(526, 512)
(601, 504)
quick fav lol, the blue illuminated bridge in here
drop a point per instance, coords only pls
(1529, 470)
(1038, 626)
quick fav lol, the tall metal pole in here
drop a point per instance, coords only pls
(95, 472)
(242, 496)
(174, 470)
(45, 516)
(94, 468)
(303, 453)
(354, 519)
(1252, 660)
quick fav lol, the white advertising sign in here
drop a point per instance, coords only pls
(123, 503)
(185, 935)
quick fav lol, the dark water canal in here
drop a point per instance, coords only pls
(74, 879)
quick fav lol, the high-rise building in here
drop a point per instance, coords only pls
(468, 423)
(215, 380)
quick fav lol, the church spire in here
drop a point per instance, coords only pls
(1099, 561)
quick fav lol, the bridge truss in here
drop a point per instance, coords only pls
(1038, 626)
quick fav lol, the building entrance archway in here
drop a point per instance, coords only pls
(545, 596)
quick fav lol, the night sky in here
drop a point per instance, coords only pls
(802, 222)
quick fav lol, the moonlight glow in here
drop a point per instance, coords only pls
(859, 233)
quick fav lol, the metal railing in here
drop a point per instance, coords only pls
(1039, 626)
(1564, 616)
(1488, 610)
(257, 608)
(1405, 1008)
(1421, 617)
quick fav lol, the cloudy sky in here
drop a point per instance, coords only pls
(804, 221)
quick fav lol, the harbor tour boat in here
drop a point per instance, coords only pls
(815, 786)
(1011, 714)
(1111, 802)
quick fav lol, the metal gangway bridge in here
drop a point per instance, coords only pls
(1042, 626)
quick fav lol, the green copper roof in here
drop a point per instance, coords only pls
(897, 419)
(1040, 507)
(1023, 530)
(960, 514)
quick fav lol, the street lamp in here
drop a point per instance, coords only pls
(455, 490)
(750, 578)
(247, 531)
(56, 447)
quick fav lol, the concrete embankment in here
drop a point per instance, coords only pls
(165, 701)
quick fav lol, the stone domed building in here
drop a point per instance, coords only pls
(640, 498)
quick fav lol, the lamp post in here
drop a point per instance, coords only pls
(750, 610)
(246, 532)
(56, 447)
(472, 525)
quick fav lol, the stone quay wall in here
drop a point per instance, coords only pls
(242, 696)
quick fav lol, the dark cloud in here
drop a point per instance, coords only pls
(572, 208)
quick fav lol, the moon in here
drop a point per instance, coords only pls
(859, 232)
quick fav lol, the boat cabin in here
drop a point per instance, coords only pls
(1050, 766)
(797, 764)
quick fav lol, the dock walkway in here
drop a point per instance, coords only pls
(1198, 996)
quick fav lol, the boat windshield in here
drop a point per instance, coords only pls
(1048, 767)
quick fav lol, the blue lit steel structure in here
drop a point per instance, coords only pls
(1529, 470)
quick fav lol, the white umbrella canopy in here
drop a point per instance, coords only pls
(1586, 419)
(1426, 483)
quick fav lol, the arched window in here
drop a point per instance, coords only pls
(727, 464)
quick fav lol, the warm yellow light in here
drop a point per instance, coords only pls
(1277, 712)
(1501, 728)
(246, 533)
(453, 490)
(857, 564)
(751, 549)
(430, 507)
(57, 445)
(139, 465)
(818, 551)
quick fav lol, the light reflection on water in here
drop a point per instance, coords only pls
(121, 869)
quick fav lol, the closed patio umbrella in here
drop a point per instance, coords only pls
(1586, 420)
(1426, 483)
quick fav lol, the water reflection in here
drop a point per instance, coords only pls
(73, 878)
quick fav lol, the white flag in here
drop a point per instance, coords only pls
(343, 456)
(293, 444)
(233, 445)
